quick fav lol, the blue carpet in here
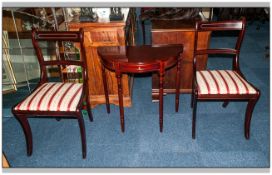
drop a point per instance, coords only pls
(219, 141)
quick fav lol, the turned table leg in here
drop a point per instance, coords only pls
(177, 85)
(161, 75)
(105, 88)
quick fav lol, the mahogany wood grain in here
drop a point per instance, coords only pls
(103, 34)
(141, 59)
(178, 32)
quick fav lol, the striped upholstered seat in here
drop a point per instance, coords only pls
(222, 82)
(53, 97)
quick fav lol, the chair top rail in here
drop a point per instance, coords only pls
(221, 25)
(217, 51)
(74, 36)
(63, 62)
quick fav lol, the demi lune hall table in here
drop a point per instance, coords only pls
(140, 59)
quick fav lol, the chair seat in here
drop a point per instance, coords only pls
(222, 82)
(53, 97)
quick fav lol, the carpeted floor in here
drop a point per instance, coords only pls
(219, 141)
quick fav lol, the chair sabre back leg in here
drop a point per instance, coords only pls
(89, 110)
(249, 110)
(27, 130)
(225, 104)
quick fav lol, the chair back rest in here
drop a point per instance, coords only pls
(59, 36)
(226, 26)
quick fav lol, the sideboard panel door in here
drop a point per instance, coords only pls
(103, 34)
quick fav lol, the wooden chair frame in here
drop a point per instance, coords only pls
(22, 115)
(231, 25)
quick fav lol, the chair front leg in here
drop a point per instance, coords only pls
(27, 130)
(194, 115)
(250, 107)
(82, 133)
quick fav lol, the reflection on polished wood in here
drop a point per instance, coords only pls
(178, 32)
(103, 34)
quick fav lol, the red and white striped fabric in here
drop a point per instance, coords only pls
(222, 82)
(53, 97)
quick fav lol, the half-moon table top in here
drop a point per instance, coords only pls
(145, 55)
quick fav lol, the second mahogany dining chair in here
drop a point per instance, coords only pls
(55, 99)
(222, 85)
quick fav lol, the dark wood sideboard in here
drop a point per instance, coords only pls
(178, 32)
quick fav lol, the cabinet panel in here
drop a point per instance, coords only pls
(103, 37)
(109, 34)
(176, 38)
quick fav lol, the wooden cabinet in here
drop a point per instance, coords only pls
(103, 34)
(178, 32)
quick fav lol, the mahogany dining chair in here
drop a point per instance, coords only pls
(222, 85)
(55, 99)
